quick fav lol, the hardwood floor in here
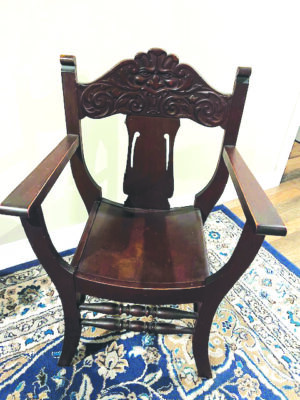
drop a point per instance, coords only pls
(286, 199)
(292, 169)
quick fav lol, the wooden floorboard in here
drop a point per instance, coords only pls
(286, 199)
(295, 152)
(292, 169)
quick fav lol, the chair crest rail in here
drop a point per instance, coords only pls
(154, 84)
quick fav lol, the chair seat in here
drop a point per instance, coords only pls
(142, 248)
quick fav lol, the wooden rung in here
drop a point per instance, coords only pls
(138, 311)
(117, 324)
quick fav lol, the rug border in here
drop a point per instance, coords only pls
(33, 263)
(281, 258)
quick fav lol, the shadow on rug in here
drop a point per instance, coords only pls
(254, 347)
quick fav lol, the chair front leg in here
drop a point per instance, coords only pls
(61, 274)
(72, 328)
(217, 286)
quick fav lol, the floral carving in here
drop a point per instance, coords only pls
(154, 84)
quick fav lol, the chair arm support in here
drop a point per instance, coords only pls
(244, 253)
(37, 233)
(35, 187)
(259, 211)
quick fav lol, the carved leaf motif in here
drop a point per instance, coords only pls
(154, 84)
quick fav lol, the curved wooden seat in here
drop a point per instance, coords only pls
(137, 248)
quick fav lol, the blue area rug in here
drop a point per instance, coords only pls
(254, 341)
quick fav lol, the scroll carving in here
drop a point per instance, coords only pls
(154, 84)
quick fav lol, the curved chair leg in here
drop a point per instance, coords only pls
(201, 339)
(62, 275)
(72, 328)
(217, 286)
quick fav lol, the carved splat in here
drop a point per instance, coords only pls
(154, 84)
(148, 179)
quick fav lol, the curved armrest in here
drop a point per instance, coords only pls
(35, 187)
(257, 208)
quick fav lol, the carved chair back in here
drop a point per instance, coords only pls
(154, 91)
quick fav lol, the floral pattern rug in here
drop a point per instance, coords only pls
(254, 341)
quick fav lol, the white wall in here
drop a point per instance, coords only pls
(213, 36)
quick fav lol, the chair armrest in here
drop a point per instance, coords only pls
(257, 208)
(35, 187)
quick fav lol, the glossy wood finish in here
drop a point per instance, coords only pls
(206, 199)
(89, 190)
(32, 191)
(144, 249)
(127, 294)
(61, 274)
(217, 286)
(258, 209)
(148, 179)
(154, 84)
(286, 199)
(114, 324)
(138, 310)
(144, 252)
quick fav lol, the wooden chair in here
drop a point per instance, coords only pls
(144, 252)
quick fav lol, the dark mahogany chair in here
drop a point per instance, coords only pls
(144, 252)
